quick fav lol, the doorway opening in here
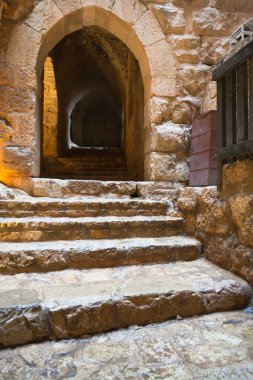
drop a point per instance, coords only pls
(93, 109)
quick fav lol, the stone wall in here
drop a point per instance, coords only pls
(176, 43)
(224, 221)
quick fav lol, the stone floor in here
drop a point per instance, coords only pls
(217, 346)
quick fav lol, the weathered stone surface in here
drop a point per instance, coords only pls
(23, 324)
(241, 206)
(67, 188)
(216, 346)
(159, 110)
(48, 229)
(237, 177)
(212, 217)
(231, 255)
(211, 22)
(169, 138)
(194, 78)
(188, 199)
(170, 18)
(85, 302)
(210, 99)
(6, 192)
(185, 109)
(17, 10)
(24, 205)
(234, 5)
(37, 257)
(213, 50)
(162, 166)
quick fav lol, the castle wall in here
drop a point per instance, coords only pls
(176, 44)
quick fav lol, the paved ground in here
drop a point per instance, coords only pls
(218, 346)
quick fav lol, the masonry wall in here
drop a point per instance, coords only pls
(223, 221)
(175, 42)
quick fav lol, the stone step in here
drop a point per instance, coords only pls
(67, 188)
(84, 254)
(46, 228)
(90, 177)
(47, 187)
(72, 303)
(80, 207)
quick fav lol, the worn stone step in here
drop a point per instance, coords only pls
(71, 303)
(67, 188)
(47, 187)
(79, 207)
(47, 228)
(91, 177)
(83, 254)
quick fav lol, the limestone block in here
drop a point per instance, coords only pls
(161, 60)
(6, 192)
(19, 159)
(237, 177)
(6, 75)
(67, 7)
(234, 5)
(231, 255)
(166, 167)
(22, 125)
(185, 109)
(89, 16)
(188, 199)
(20, 53)
(148, 29)
(185, 42)
(194, 78)
(18, 10)
(213, 50)
(170, 138)
(241, 206)
(163, 87)
(102, 17)
(129, 11)
(158, 110)
(170, 18)
(19, 99)
(187, 56)
(212, 217)
(119, 29)
(210, 99)
(212, 22)
(44, 16)
(191, 3)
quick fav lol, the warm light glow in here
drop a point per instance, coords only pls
(50, 111)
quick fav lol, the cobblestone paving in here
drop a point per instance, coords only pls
(217, 346)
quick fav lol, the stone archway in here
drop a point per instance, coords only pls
(99, 134)
(49, 23)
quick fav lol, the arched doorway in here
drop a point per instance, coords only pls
(96, 83)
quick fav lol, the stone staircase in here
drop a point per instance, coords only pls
(75, 262)
(106, 167)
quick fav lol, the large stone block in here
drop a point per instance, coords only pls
(244, 6)
(212, 22)
(170, 18)
(231, 255)
(158, 110)
(212, 218)
(194, 78)
(148, 29)
(169, 138)
(237, 178)
(166, 167)
(185, 109)
(241, 206)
